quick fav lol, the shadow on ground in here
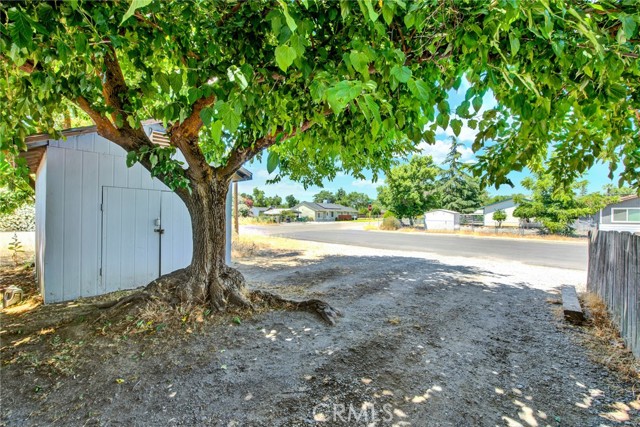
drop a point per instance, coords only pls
(421, 343)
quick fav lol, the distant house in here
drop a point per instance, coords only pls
(257, 211)
(282, 214)
(508, 206)
(324, 211)
(621, 216)
(442, 219)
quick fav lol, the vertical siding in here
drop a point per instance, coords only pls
(73, 182)
(177, 246)
(41, 193)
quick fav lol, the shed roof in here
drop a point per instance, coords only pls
(326, 207)
(37, 146)
(443, 210)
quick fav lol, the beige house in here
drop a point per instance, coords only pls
(324, 211)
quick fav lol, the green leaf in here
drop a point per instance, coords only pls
(132, 158)
(81, 43)
(373, 16)
(402, 74)
(628, 25)
(216, 131)
(285, 55)
(163, 82)
(342, 93)
(235, 75)
(21, 31)
(409, 20)
(291, 23)
(515, 44)
(477, 103)
(135, 5)
(443, 120)
(230, 117)
(272, 161)
(175, 80)
(206, 114)
(419, 89)
(456, 126)
(360, 62)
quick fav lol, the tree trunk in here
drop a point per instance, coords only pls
(207, 279)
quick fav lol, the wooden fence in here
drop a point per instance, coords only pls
(614, 275)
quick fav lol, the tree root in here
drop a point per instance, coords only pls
(228, 288)
(321, 308)
(138, 296)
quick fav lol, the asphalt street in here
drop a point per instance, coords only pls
(560, 254)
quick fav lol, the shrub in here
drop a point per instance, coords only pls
(389, 214)
(22, 219)
(390, 223)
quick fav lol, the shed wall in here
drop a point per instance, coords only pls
(69, 217)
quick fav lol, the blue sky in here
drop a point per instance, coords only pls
(597, 176)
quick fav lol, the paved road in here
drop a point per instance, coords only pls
(571, 255)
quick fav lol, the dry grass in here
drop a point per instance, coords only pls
(507, 234)
(603, 339)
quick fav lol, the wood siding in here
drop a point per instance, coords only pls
(70, 223)
(614, 275)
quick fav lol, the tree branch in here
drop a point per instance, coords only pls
(184, 135)
(242, 155)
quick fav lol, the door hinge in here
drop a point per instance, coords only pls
(100, 271)
(101, 207)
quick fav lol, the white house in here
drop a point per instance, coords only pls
(508, 206)
(324, 211)
(442, 219)
(257, 211)
(621, 216)
(101, 226)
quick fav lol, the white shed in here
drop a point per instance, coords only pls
(98, 221)
(442, 219)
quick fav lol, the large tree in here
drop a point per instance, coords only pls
(459, 191)
(556, 209)
(325, 86)
(410, 189)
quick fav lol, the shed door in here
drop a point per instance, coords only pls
(145, 233)
(176, 246)
(130, 246)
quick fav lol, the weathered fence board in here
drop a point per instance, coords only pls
(614, 275)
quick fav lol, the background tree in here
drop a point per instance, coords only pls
(324, 196)
(259, 198)
(499, 216)
(274, 201)
(611, 190)
(458, 190)
(410, 189)
(291, 201)
(341, 197)
(357, 200)
(557, 209)
(326, 87)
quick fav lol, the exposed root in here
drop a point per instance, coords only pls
(138, 296)
(228, 287)
(321, 308)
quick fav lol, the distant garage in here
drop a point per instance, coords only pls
(442, 219)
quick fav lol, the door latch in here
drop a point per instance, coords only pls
(158, 229)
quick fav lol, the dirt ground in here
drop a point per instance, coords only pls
(424, 341)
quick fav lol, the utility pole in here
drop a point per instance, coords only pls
(235, 198)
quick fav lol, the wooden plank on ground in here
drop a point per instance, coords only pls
(571, 306)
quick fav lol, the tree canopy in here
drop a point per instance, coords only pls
(557, 210)
(411, 188)
(458, 190)
(330, 85)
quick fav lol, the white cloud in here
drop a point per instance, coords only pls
(441, 148)
(365, 183)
